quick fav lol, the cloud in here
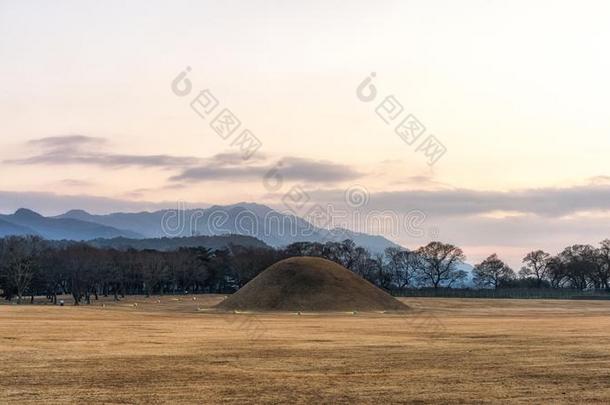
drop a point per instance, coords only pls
(599, 180)
(290, 169)
(539, 218)
(66, 141)
(511, 238)
(236, 158)
(53, 204)
(76, 183)
(548, 202)
(85, 150)
(440, 201)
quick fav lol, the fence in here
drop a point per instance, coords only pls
(524, 293)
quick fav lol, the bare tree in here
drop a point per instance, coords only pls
(556, 272)
(154, 269)
(580, 263)
(492, 272)
(402, 265)
(439, 264)
(250, 262)
(20, 262)
(603, 271)
(536, 265)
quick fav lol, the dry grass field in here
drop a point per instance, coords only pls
(175, 350)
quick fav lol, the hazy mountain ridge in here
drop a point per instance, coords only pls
(272, 227)
(26, 221)
(167, 244)
(146, 224)
(8, 228)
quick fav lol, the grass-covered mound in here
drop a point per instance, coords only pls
(310, 284)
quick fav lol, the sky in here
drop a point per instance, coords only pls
(94, 114)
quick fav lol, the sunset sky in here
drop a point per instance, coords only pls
(517, 92)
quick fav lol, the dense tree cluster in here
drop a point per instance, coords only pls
(578, 267)
(31, 266)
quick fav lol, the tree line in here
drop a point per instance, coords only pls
(579, 267)
(31, 266)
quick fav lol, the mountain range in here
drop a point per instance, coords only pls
(28, 222)
(249, 219)
(216, 227)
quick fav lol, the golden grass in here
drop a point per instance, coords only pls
(444, 350)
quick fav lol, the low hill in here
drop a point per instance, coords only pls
(166, 244)
(310, 284)
(7, 229)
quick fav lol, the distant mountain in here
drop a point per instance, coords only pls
(145, 224)
(373, 243)
(7, 228)
(468, 281)
(272, 227)
(166, 244)
(25, 221)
